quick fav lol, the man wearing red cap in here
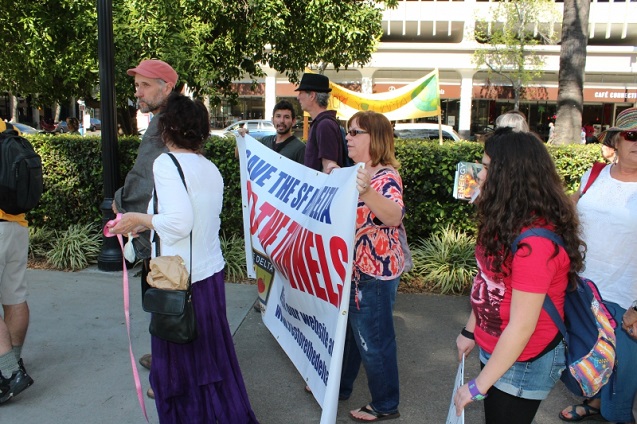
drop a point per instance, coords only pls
(154, 81)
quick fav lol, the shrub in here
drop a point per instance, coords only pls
(75, 248)
(445, 261)
(40, 241)
(73, 180)
(233, 250)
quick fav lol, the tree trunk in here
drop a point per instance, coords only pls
(13, 108)
(570, 96)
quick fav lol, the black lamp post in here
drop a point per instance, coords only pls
(110, 257)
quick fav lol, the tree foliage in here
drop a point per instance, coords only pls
(48, 49)
(511, 29)
(51, 47)
(570, 95)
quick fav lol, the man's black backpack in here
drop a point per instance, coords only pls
(347, 161)
(20, 174)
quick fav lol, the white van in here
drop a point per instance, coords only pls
(425, 130)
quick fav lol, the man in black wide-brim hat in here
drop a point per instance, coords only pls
(324, 150)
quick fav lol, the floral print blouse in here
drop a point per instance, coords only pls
(377, 247)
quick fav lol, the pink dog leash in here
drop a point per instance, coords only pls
(138, 384)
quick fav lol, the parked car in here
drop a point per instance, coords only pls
(24, 129)
(425, 130)
(96, 124)
(257, 128)
(61, 127)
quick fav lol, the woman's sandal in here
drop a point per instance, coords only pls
(375, 415)
(589, 412)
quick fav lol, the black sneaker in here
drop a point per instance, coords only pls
(10, 387)
(24, 370)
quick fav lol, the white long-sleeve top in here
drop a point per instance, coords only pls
(198, 210)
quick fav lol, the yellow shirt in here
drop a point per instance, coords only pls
(20, 218)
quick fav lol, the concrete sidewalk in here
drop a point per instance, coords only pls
(77, 353)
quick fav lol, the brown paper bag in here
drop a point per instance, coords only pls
(168, 273)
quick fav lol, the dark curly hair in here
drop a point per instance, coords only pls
(523, 189)
(184, 122)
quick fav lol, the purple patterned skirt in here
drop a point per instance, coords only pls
(200, 382)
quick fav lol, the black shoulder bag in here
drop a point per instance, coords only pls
(173, 314)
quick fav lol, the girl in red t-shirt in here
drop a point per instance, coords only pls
(521, 350)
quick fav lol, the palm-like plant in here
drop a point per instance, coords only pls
(446, 261)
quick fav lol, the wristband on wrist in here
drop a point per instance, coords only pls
(466, 333)
(634, 305)
(475, 392)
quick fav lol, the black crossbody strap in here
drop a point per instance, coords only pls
(156, 239)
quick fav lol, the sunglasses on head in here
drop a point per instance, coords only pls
(354, 133)
(629, 135)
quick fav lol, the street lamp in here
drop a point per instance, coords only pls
(110, 257)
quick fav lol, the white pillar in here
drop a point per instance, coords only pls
(466, 94)
(270, 92)
(367, 80)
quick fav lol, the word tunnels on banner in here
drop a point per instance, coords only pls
(303, 257)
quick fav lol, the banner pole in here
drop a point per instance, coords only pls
(439, 127)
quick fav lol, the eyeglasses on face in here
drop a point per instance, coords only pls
(629, 135)
(354, 133)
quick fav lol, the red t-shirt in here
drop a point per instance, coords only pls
(532, 270)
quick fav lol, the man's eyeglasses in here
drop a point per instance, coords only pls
(354, 133)
(629, 135)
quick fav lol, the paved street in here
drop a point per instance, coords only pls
(77, 353)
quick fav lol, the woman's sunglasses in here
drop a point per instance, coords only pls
(354, 133)
(629, 135)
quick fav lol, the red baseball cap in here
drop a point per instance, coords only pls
(154, 68)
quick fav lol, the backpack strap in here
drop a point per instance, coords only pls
(548, 304)
(595, 171)
(538, 232)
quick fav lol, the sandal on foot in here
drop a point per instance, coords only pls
(589, 413)
(146, 360)
(375, 416)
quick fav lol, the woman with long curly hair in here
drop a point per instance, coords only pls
(520, 348)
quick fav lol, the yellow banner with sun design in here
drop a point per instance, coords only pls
(419, 99)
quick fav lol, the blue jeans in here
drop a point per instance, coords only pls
(371, 339)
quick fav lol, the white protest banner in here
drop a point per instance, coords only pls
(452, 418)
(300, 225)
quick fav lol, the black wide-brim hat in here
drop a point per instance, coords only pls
(314, 82)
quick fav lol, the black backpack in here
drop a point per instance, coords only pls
(347, 161)
(20, 174)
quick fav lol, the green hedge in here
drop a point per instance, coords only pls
(74, 187)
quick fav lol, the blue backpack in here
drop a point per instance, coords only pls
(588, 330)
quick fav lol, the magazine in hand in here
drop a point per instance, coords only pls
(465, 186)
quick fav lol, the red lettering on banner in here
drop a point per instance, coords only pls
(252, 204)
(270, 232)
(302, 256)
(329, 289)
(338, 252)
